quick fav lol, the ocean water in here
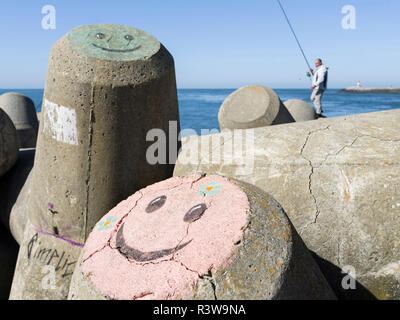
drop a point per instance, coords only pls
(199, 107)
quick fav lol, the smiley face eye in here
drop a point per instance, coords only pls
(128, 37)
(156, 204)
(195, 213)
(100, 35)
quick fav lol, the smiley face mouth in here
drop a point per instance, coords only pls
(140, 256)
(115, 50)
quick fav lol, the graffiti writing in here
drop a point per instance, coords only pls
(50, 256)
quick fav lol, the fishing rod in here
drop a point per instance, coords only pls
(297, 40)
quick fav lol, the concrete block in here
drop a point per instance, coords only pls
(9, 143)
(107, 86)
(300, 110)
(252, 107)
(197, 238)
(338, 180)
(22, 112)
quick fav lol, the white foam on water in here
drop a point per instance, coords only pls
(203, 97)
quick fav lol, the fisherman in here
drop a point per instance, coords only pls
(319, 85)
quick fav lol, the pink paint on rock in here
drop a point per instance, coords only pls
(166, 238)
(98, 239)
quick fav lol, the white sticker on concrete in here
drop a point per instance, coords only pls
(60, 123)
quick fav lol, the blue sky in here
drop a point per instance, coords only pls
(219, 43)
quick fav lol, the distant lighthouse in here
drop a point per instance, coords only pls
(358, 84)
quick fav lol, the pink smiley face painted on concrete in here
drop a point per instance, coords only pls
(165, 237)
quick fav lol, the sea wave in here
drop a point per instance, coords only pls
(219, 98)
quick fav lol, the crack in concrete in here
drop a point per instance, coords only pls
(115, 230)
(361, 135)
(187, 233)
(338, 152)
(317, 210)
(210, 278)
(351, 145)
(313, 167)
(89, 161)
(197, 180)
(142, 295)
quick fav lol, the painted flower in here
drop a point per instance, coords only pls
(211, 189)
(108, 223)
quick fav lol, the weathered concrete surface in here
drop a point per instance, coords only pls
(252, 107)
(19, 212)
(44, 267)
(9, 143)
(337, 179)
(300, 110)
(250, 249)
(106, 87)
(11, 186)
(8, 259)
(22, 112)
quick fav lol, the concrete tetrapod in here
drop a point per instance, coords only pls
(9, 143)
(22, 112)
(338, 180)
(252, 107)
(8, 259)
(19, 212)
(14, 191)
(154, 246)
(107, 86)
(300, 110)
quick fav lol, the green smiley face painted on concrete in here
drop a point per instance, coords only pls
(112, 42)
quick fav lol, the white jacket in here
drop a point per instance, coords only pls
(320, 80)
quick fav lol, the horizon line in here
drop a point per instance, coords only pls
(200, 88)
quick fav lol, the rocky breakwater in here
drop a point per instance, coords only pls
(393, 90)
